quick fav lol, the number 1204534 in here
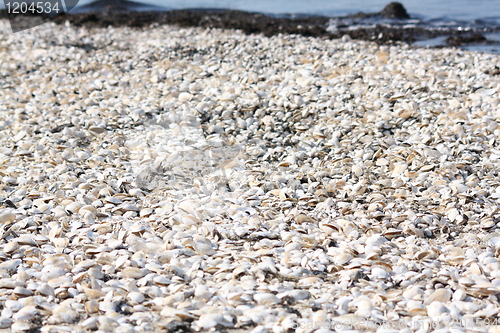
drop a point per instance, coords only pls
(36, 7)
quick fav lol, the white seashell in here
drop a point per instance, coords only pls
(364, 308)
(203, 292)
(266, 298)
(10, 264)
(91, 323)
(145, 212)
(412, 305)
(45, 289)
(494, 241)
(13, 305)
(133, 272)
(9, 283)
(73, 207)
(210, 320)
(7, 217)
(378, 273)
(5, 322)
(129, 207)
(113, 200)
(357, 170)
(441, 295)
(20, 326)
(63, 314)
(342, 259)
(59, 212)
(184, 97)
(411, 292)
(136, 297)
(26, 313)
(204, 249)
(10, 247)
(436, 309)
(88, 217)
(465, 281)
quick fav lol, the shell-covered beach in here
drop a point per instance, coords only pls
(170, 179)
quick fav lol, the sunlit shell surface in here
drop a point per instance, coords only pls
(172, 179)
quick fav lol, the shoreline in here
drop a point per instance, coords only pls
(251, 23)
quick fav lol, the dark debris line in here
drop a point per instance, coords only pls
(254, 23)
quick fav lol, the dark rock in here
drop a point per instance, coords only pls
(121, 13)
(395, 10)
(178, 327)
(465, 39)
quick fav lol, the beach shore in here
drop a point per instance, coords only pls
(387, 27)
(198, 179)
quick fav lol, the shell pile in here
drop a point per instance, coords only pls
(180, 180)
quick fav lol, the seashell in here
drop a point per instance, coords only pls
(63, 314)
(329, 228)
(25, 314)
(204, 249)
(299, 295)
(185, 96)
(96, 130)
(172, 312)
(7, 322)
(357, 170)
(456, 255)
(494, 241)
(7, 217)
(10, 247)
(266, 299)
(483, 289)
(45, 289)
(92, 306)
(91, 323)
(426, 255)
(113, 200)
(129, 207)
(20, 326)
(436, 309)
(392, 233)
(465, 281)
(378, 273)
(210, 320)
(13, 305)
(59, 212)
(137, 229)
(342, 259)
(364, 308)
(162, 280)
(73, 207)
(10, 264)
(133, 272)
(136, 298)
(411, 292)
(203, 292)
(440, 295)
(146, 212)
